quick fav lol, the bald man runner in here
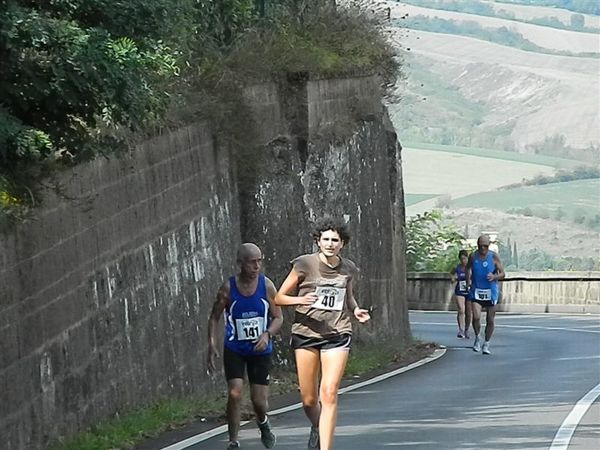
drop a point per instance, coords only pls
(484, 269)
(251, 320)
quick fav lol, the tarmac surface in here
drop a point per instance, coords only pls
(538, 390)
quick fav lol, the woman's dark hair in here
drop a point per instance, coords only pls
(327, 224)
(463, 253)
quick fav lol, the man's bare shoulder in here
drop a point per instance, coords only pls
(224, 289)
(269, 284)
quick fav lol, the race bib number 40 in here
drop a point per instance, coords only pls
(483, 294)
(249, 329)
(330, 298)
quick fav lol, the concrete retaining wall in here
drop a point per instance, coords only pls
(104, 299)
(532, 292)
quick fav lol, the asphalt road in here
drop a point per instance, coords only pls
(516, 398)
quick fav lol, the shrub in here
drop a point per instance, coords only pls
(83, 77)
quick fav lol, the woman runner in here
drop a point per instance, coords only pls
(320, 286)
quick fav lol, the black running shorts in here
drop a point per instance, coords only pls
(339, 342)
(484, 303)
(258, 367)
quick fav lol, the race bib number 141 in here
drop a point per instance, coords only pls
(249, 329)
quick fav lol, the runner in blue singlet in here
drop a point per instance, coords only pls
(247, 301)
(484, 269)
(463, 308)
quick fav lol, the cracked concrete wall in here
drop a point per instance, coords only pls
(334, 153)
(104, 298)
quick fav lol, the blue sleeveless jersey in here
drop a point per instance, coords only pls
(246, 318)
(481, 288)
(460, 288)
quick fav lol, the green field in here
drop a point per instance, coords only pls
(498, 154)
(411, 199)
(574, 201)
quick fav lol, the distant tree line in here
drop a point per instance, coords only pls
(577, 22)
(556, 145)
(579, 173)
(432, 245)
(537, 260)
(581, 6)
(501, 35)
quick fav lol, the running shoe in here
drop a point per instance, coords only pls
(486, 348)
(466, 335)
(233, 445)
(267, 437)
(460, 335)
(477, 344)
(313, 439)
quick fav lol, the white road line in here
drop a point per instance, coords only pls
(530, 327)
(565, 432)
(181, 445)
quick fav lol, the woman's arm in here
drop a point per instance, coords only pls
(290, 285)
(362, 315)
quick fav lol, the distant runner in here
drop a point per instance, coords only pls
(484, 269)
(463, 308)
(320, 286)
(251, 319)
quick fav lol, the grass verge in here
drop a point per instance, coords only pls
(125, 431)
(497, 154)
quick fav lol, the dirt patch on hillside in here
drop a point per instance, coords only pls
(534, 95)
(553, 237)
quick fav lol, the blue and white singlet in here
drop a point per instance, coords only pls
(481, 288)
(246, 318)
(461, 283)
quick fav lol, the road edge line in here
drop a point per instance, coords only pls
(563, 436)
(201, 437)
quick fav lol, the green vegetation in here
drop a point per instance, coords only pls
(574, 201)
(363, 359)
(486, 9)
(126, 430)
(556, 145)
(470, 28)
(538, 260)
(579, 173)
(581, 6)
(86, 78)
(497, 154)
(433, 110)
(431, 245)
(435, 115)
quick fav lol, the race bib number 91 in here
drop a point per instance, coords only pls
(249, 329)
(483, 294)
(330, 298)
